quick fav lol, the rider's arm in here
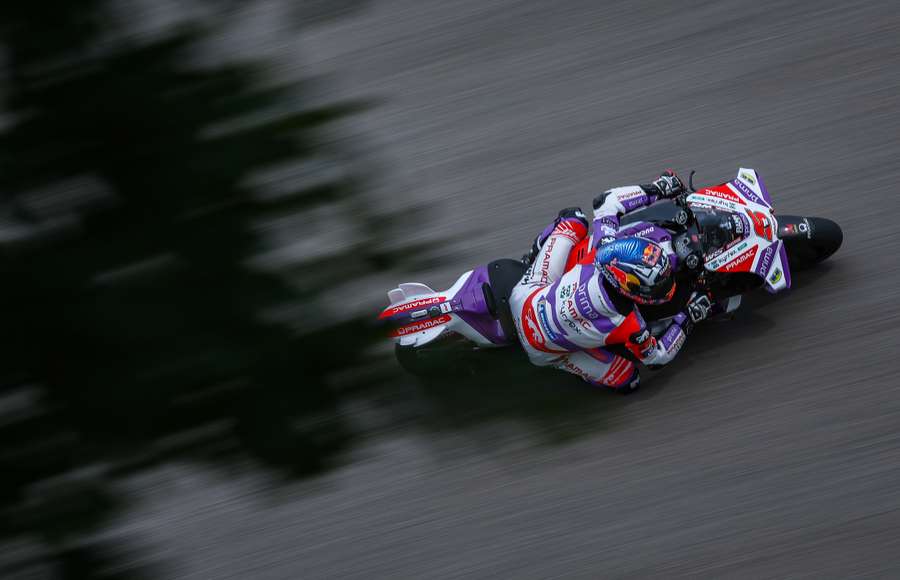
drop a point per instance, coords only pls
(663, 350)
(611, 205)
(634, 333)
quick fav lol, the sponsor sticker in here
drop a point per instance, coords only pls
(742, 262)
(766, 260)
(420, 326)
(584, 302)
(414, 305)
(723, 258)
(677, 343)
(651, 254)
(762, 224)
(705, 201)
(723, 195)
(645, 231)
(567, 290)
(746, 191)
(775, 277)
(573, 318)
(625, 196)
(569, 366)
(544, 320)
(545, 262)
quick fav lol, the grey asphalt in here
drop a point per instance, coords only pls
(770, 449)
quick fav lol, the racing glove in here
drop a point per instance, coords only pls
(698, 307)
(668, 185)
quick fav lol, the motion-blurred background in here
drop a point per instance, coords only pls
(202, 205)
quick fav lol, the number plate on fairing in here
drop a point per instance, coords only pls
(759, 250)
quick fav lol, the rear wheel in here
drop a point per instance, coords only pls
(447, 355)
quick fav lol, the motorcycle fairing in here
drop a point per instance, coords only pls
(760, 251)
(421, 315)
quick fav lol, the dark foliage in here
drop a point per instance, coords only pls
(136, 327)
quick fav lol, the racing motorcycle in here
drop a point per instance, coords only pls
(727, 238)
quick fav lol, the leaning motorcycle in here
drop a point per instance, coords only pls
(727, 238)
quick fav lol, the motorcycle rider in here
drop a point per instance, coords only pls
(565, 319)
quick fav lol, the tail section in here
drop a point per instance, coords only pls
(417, 314)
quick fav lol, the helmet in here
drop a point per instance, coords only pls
(638, 269)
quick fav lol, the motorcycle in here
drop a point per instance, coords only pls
(727, 238)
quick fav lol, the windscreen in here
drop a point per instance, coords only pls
(719, 228)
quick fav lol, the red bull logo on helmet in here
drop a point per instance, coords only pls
(651, 254)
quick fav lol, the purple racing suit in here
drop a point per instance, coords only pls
(565, 319)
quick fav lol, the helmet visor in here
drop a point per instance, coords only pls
(656, 294)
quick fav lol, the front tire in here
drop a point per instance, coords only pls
(809, 240)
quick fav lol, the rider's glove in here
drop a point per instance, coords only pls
(698, 307)
(668, 185)
(642, 343)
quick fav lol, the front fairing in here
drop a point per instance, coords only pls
(758, 249)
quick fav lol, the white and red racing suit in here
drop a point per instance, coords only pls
(565, 319)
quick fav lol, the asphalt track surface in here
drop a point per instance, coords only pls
(770, 449)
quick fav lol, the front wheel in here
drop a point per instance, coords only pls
(808, 240)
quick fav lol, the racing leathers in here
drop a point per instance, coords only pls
(566, 319)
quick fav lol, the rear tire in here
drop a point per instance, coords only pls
(447, 355)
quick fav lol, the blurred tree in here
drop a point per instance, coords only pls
(137, 326)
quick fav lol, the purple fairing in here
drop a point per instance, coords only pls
(765, 192)
(782, 253)
(748, 193)
(765, 261)
(470, 306)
